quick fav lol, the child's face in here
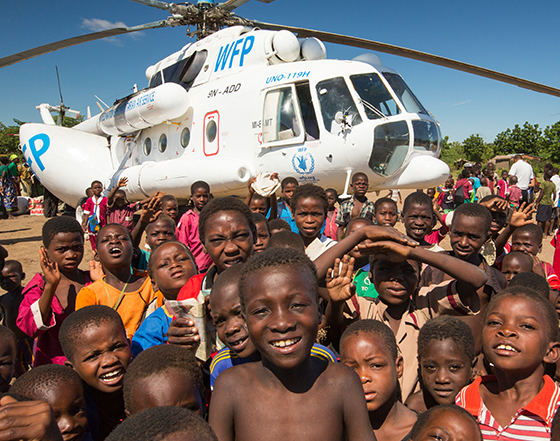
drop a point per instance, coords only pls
(97, 189)
(395, 282)
(288, 191)
(445, 369)
(309, 215)
(431, 192)
(89, 192)
(258, 206)
(67, 250)
(515, 336)
(102, 356)
(8, 353)
(282, 315)
(227, 316)
(262, 238)
(200, 198)
(467, 236)
(512, 266)
(504, 175)
(168, 388)
(170, 208)
(386, 215)
(449, 182)
(114, 247)
(120, 200)
(11, 278)
(366, 355)
(524, 241)
(447, 425)
(418, 221)
(69, 409)
(499, 219)
(331, 197)
(360, 185)
(160, 231)
(229, 239)
(172, 269)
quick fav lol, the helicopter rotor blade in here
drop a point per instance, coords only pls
(415, 55)
(154, 4)
(230, 5)
(51, 47)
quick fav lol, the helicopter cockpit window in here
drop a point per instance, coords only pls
(307, 111)
(184, 72)
(390, 147)
(337, 106)
(409, 101)
(376, 99)
(425, 135)
(155, 80)
(281, 121)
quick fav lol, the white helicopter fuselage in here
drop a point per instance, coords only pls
(230, 106)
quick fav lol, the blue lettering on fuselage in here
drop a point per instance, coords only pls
(37, 153)
(230, 51)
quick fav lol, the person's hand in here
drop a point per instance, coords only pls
(496, 204)
(27, 420)
(122, 182)
(95, 270)
(537, 266)
(151, 210)
(273, 176)
(522, 216)
(49, 268)
(387, 250)
(183, 333)
(339, 280)
(377, 233)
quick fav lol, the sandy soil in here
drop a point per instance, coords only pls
(22, 238)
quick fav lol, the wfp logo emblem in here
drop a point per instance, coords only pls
(303, 163)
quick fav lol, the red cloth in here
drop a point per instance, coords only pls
(555, 242)
(187, 233)
(330, 226)
(123, 217)
(192, 288)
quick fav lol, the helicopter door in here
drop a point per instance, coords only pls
(211, 142)
(282, 119)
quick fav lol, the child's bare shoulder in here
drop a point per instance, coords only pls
(339, 377)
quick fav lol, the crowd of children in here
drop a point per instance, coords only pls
(306, 318)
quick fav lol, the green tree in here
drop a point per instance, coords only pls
(476, 149)
(451, 151)
(69, 122)
(551, 143)
(527, 139)
(9, 139)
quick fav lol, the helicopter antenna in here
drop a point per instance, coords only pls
(62, 108)
(104, 103)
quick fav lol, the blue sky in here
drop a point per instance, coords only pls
(515, 37)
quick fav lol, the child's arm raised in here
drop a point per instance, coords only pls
(369, 233)
(111, 196)
(518, 219)
(469, 277)
(150, 212)
(251, 191)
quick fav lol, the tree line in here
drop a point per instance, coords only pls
(529, 139)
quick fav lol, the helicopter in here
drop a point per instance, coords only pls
(248, 97)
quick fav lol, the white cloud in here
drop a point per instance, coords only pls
(462, 103)
(98, 24)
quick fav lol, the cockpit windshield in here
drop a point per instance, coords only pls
(376, 99)
(335, 97)
(409, 101)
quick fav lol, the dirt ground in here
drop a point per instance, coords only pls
(22, 238)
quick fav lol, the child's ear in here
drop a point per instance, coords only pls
(154, 285)
(553, 354)
(540, 247)
(320, 313)
(399, 365)
(474, 370)
(126, 412)
(22, 276)
(69, 364)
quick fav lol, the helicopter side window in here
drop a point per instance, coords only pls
(335, 98)
(408, 100)
(307, 111)
(280, 119)
(155, 80)
(376, 99)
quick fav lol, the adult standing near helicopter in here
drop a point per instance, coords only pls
(525, 175)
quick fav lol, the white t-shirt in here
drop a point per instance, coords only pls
(524, 173)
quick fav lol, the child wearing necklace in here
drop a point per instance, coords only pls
(129, 293)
